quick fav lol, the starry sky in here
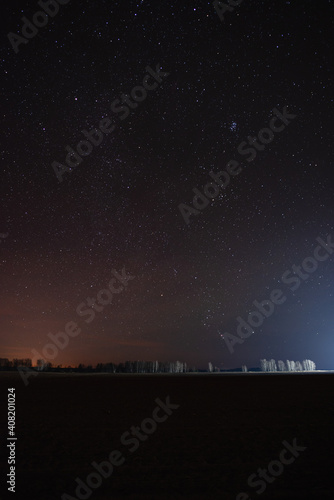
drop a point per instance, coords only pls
(60, 241)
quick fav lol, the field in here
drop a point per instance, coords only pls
(224, 429)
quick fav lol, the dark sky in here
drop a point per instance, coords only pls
(119, 208)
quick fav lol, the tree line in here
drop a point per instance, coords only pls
(289, 366)
(126, 367)
(153, 366)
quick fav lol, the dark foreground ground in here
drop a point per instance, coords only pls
(225, 428)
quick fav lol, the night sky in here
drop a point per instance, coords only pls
(119, 209)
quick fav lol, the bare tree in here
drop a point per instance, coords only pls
(264, 365)
(155, 366)
(308, 365)
(178, 367)
(40, 364)
(298, 366)
(21, 362)
(281, 366)
(268, 365)
(272, 365)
